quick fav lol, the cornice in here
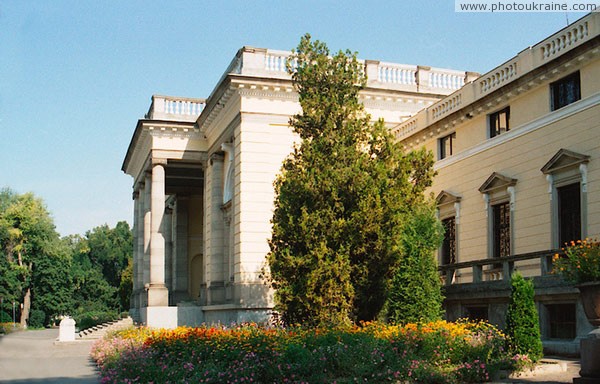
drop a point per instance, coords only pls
(565, 112)
(496, 99)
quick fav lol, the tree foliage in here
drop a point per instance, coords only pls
(522, 321)
(47, 276)
(29, 244)
(343, 197)
(415, 290)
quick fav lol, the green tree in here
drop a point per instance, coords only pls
(522, 321)
(27, 235)
(415, 289)
(343, 197)
(52, 284)
(110, 249)
(126, 286)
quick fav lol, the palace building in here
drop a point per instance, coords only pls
(518, 152)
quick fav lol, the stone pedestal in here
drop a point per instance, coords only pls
(590, 346)
(590, 359)
(158, 296)
(66, 331)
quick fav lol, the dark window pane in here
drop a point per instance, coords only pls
(446, 145)
(499, 122)
(501, 229)
(561, 318)
(569, 213)
(565, 91)
(477, 313)
(449, 243)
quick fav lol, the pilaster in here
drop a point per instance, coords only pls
(214, 225)
(180, 249)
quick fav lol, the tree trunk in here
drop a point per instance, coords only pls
(26, 307)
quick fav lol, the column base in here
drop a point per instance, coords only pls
(158, 296)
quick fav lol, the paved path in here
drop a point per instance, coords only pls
(569, 368)
(33, 357)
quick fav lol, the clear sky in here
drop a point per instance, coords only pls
(75, 76)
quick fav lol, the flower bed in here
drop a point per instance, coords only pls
(438, 352)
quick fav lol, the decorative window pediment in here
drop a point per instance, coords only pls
(446, 197)
(564, 159)
(497, 181)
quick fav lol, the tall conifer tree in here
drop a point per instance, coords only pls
(341, 199)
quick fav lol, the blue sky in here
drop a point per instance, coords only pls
(75, 76)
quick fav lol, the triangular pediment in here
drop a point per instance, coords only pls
(564, 159)
(496, 181)
(446, 197)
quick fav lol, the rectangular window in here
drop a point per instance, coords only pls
(501, 230)
(569, 213)
(446, 144)
(565, 91)
(562, 322)
(477, 313)
(449, 243)
(499, 122)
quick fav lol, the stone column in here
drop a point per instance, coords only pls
(180, 250)
(138, 276)
(167, 230)
(147, 232)
(158, 295)
(134, 301)
(215, 231)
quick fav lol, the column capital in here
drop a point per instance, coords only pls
(217, 156)
(156, 161)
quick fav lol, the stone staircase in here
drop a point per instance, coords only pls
(98, 331)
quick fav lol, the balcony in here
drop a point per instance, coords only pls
(494, 269)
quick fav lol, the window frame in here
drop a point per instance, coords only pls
(493, 121)
(564, 168)
(559, 100)
(451, 138)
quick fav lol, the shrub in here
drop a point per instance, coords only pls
(580, 263)
(37, 318)
(90, 319)
(415, 292)
(522, 321)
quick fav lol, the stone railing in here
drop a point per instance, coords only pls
(446, 79)
(175, 108)
(498, 77)
(526, 61)
(499, 268)
(388, 73)
(564, 40)
(412, 78)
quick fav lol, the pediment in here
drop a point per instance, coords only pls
(446, 197)
(496, 181)
(564, 159)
